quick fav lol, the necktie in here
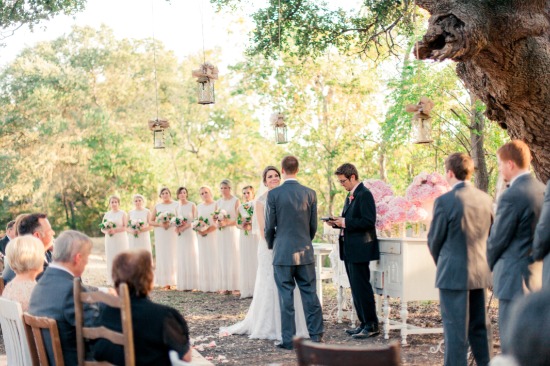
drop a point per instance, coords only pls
(346, 204)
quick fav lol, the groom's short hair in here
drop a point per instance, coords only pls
(290, 164)
(347, 170)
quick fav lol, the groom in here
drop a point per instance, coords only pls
(290, 225)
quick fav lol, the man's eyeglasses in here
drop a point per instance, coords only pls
(343, 180)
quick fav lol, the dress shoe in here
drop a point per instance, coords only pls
(285, 346)
(317, 338)
(354, 330)
(370, 330)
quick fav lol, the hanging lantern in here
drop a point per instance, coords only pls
(279, 125)
(421, 121)
(158, 126)
(205, 75)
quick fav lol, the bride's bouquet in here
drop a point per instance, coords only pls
(107, 225)
(164, 217)
(246, 219)
(178, 221)
(218, 216)
(136, 225)
(200, 224)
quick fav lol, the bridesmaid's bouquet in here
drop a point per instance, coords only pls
(136, 225)
(220, 215)
(164, 217)
(200, 224)
(246, 220)
(178, 221)
(107, 225)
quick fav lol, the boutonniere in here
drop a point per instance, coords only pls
(351, 198)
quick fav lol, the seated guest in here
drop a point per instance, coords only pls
(53, 294)
(10, 235)
(157, 328)
(26, 256)
(35, 224)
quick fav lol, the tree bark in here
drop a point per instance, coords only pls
(477, 125)
(503, 52)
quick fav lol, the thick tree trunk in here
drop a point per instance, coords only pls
(503, 54)
(477, 126)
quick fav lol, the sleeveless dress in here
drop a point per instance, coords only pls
(209, 263)
(263, 319)
(143, 241)
(228, 246)
(248, 258)
(165, 248)
(187, 252)
(116, 243)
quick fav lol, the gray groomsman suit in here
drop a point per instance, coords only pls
(458, 243)
(290, 226)
(510, 242)
(541, 244)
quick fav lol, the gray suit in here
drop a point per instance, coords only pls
(458, 243)
(290, 226)
(53, 297)
(511, 239)
(541, 243)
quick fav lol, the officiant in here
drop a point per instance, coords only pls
(358, 246)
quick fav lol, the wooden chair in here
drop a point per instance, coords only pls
(13, 331)
(1, 285)
(124, 339)
(34, 326)
(309, 353)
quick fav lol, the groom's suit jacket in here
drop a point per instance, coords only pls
(291, 223)
(511, 238)
(359, 243)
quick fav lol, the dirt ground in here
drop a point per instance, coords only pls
(206, 312)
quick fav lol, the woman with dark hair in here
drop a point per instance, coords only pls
(165, 239)
(263, 319)
(186, 248)
(157, 328)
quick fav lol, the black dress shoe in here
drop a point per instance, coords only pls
(285, 346)
(370, 330)
(317, 338)
(354, 330)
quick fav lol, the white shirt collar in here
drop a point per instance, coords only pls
(60, 267)
(354, 188)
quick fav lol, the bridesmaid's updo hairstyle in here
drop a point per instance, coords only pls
(180, 189)
(207, 188)
(267, 169)
(135, 268)
(225, 182)
(165, 189)
(114, 197)
(139, 196)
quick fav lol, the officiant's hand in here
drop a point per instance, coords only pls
(336, 222)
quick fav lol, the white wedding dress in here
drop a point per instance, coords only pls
(263, 319)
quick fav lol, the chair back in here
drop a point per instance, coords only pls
(13, 331)
(34, 326)
(124, 339)
(1, 285)
(309, 353)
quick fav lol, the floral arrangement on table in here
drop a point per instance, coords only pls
(415, 216)
(200, 224)
(136, 225)
(379, 189)
(165, 217)
(391, 214)
(246, 221)
(426, 187)
(107, 225)
(178, 221)
(218, 216)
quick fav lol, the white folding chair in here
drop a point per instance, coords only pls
(13, 331)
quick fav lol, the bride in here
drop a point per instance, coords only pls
(263, 319)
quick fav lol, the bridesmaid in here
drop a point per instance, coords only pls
(186, 249)
(116, 240)
(143, 239)
(165, 240)
(248, 245)
(228, 238)
(209, 260)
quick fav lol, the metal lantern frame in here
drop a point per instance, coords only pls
(422, 129)
(205, 90)
(281, 134)
(158, 126)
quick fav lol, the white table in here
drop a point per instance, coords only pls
(321, 251)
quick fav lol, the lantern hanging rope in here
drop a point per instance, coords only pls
(205, 74)
(278, 119)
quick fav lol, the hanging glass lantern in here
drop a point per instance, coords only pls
(421, 121)
(158, 126)
(205, 90)
(279, 125)
(205, 75)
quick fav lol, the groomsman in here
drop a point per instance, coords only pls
(541, 244)
(511, 238)
(358, 246)
(458, 242)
